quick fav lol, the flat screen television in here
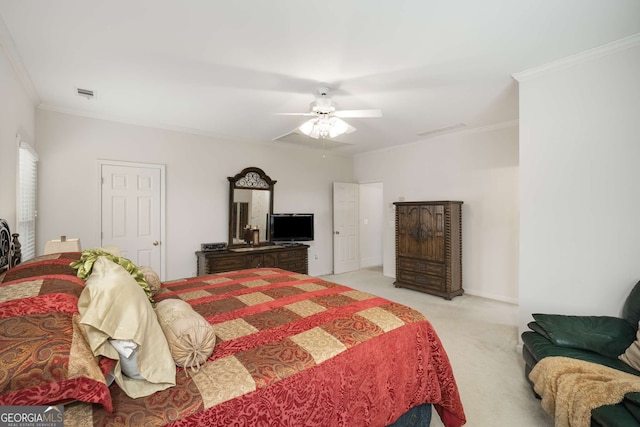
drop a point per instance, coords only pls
(290, 227)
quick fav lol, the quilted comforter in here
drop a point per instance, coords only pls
(292, 350)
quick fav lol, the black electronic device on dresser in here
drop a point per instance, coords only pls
(213, 247)
(291, 227)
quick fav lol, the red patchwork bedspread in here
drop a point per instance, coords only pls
(44, 358)
(296, 350)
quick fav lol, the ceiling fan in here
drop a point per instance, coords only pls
(327, 121)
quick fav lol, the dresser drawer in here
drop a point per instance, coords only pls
(423, 280)
(291, 255)
(227, 264)
(421, 266)
(255, 261)
(299, 266)
(269, 260)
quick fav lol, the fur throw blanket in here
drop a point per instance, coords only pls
(571, 388)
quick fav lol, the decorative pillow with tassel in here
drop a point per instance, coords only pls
(191, 338)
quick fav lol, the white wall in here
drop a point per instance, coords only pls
(479, 168)
(197, 190)
(371, 227)
(17, 114)
(580, 184)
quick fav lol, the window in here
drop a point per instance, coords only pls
(26, 204)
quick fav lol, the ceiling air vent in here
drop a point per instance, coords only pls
(89, 94)
(442, 130)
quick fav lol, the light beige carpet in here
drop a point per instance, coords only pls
(481, 339)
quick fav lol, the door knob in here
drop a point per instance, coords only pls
(156, 243)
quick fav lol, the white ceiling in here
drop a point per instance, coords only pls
(223, 68)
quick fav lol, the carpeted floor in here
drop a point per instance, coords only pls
(481, 339)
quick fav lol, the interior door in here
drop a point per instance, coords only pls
(132, 212)
(346, 255)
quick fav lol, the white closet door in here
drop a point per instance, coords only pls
(132, 212)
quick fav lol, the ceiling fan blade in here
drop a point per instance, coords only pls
(297, 131)
(358, 113)
(294, 114)
(302, 140)
(284, 135)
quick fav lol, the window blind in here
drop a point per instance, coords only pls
(27, 198)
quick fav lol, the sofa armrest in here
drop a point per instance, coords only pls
(535, 327)
(605, 335)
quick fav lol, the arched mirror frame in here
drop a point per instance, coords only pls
(253, 179)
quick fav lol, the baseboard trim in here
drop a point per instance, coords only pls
(495, 297)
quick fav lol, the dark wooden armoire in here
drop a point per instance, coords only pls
(429, 247)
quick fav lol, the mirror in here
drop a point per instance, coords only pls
(250, 200)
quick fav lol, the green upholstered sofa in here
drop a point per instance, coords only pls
(599, 339)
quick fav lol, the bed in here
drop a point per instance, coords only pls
(10, 254)
(290, 349)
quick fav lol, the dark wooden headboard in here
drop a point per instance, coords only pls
(10, 253)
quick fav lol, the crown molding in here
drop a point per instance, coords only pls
(458, 131)
(578, 58)
(9, 47)
(141, 123)
(158, 126)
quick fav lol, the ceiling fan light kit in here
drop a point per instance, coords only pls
(326, 122)
(323, 127)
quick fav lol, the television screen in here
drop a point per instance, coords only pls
(291, 227)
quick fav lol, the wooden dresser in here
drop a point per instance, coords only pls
(292, 258)
(429, 247)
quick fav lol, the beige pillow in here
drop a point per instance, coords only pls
(152, 278)
(113, 250)
(632, 356)
(191, 338)
(113, 306)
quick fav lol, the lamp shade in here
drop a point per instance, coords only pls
(338, 127)
(307, 127)
(67, 245)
